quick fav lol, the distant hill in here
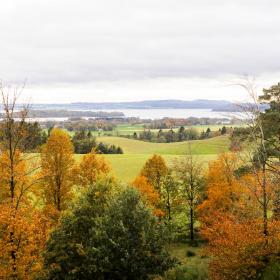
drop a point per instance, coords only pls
(215, 105)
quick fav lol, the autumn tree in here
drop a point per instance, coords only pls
(91, 167)
(189, 173)
(232, 222)
(22, 228)
(155, 170)
(20, 256)
(222, 190)
(147, 191)
(57, 162)
(14, 164)
(263, 144)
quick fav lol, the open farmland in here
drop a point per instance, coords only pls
(126, 166)
(199, 147)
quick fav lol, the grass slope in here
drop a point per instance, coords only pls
(128, 165)
(199, 147)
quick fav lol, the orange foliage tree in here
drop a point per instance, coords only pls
(148, 193)
(155, 170)
(232, 222)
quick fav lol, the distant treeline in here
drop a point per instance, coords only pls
(84, 143)
(91, 125)
(83, 140)
(183, 134)
(174, 122)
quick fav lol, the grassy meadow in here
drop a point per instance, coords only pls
(127, 166)
(129, 129)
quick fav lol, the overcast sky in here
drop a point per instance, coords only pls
(113, 50)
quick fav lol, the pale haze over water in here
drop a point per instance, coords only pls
(156, 114)
(173, 113)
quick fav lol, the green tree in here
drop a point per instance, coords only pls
(190, 179)
(105, 239)
(223, 130)
(75, 249)
(135, 240)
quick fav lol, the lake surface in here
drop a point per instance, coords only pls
(155, 114)
(174, 113)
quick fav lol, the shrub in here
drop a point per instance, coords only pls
(190, 253)
(191, 272)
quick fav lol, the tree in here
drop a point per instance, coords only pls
(23, 233)
(232, 222)
(16, 182)
(107, 239)
(223, 130)
(151, 197)
(83, 142)
(188, 171)
(155, 170)
(57, 162)
(75, 249)
(170, 194)
(91, 167)
(136, 240)
(223, 190)
(13, 142)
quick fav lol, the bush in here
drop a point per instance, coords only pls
(191, 272)
(190, 253)
(271, 272)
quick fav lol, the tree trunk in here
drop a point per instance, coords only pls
(191, 224)
(265, 228)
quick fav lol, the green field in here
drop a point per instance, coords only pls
(129, 129)
(198, 147)
(128, 165)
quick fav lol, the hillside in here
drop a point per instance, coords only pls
(199, 147)
(128, 165)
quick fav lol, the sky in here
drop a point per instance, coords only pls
(124, 50)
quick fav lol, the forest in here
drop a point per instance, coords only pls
(65, 215)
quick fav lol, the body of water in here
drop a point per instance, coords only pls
(174, 113)
(155, 114)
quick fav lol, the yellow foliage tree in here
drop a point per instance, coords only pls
(57, 163)
(15, 179)
(91, 167)
(155, 170)
(23, 235)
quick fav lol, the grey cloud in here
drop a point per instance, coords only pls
(52, 42)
